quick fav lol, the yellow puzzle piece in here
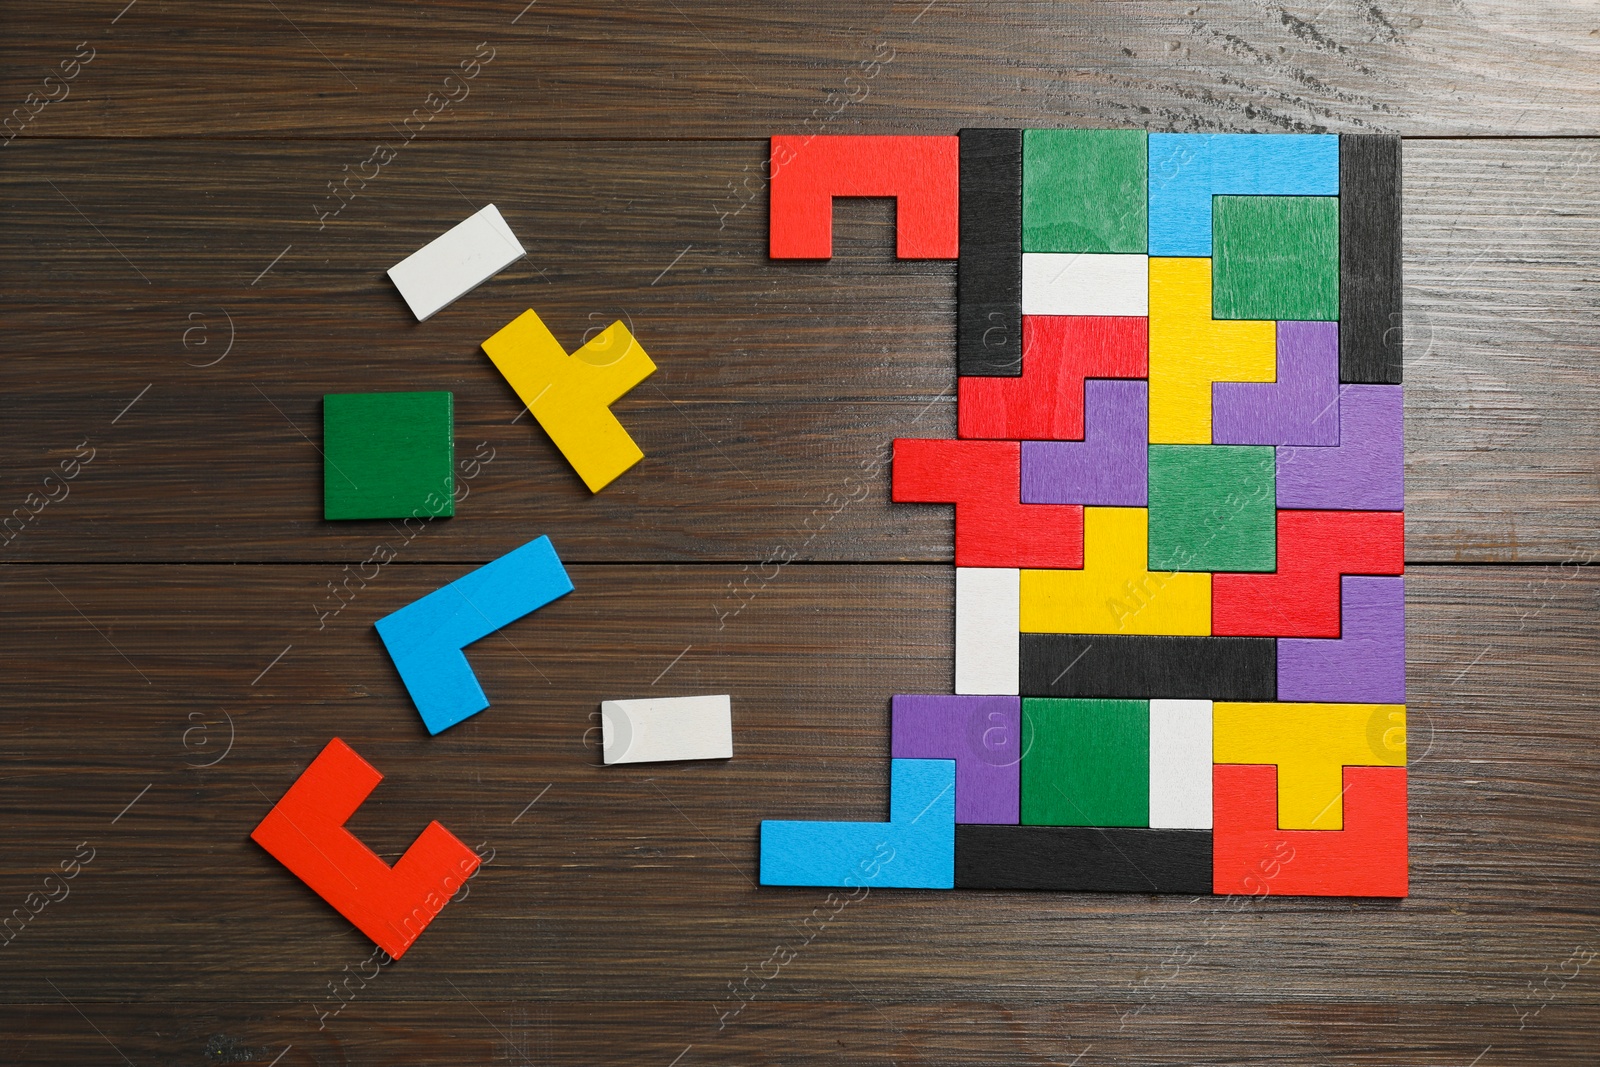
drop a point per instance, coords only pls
(1189, 350)
(1311, 744)
(571, 396)
(1115, 593)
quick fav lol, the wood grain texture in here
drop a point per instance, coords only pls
(728, 69)
(180, 930)
(1501, 384)
(196, 238)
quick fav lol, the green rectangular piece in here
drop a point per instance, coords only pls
(388, 455)
(1275, 258)
(1213, 508)
(1085, 191)
(1085, 762)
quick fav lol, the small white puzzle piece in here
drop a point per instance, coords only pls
(1084, 283)
(988, 630)
(456, 262)
(666, 728)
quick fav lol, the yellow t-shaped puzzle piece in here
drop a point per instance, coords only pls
(1189, 350)
(571, 396)
(1311, 744)
(1115, 592)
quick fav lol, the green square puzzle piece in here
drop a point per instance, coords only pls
(388, 455)
(1085, 191)
(1085, 762)
(1213, 508)
(1275, 258)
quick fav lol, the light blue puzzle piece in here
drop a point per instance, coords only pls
(426, 637)
(915, 849)
(1188, 169)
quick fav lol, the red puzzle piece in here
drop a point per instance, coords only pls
(1250, 855)
(1058, 353)
(1301, 599)
(983, 479)
(921, 173)
(305, 832)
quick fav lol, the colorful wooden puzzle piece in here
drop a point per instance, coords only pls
(305, 832)
(1253, 856)
(1109, 467)
(983, 479)
(571, 396)
(915, 849)
(425, 638)
(988, 607)
(1115, 592)
(990, 334)
(661, 729)
(1189, 351)
(1212, 692)
(921, 173)
(1047, 402)
(456, 262)
(983, 734)
(1300, 407)
(1310, 744)
(1365, 471)
(388, 455)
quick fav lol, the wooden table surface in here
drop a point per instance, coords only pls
(178, 295)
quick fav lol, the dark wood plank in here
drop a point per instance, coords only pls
(724, 68)
(754, 418)
(635, 884)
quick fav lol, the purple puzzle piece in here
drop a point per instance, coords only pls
(1366, 663)
(1300, 408)
(1110, 466)
(983, 734)
(1365, 471)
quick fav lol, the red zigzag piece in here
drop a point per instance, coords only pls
(1058, 353)
(1250, 855)
(983, 479)
(1301, 599)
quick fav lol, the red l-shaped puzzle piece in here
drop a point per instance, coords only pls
(305, 832)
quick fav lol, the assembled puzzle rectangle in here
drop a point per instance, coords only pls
(1179, 525)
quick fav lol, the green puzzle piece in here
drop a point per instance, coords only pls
(1275, 258)
(1085, 762)
(1213, 508)
(1084, 191)
(388, 455)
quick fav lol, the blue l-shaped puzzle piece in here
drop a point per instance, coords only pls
(1187, 169)
(426, 637)
(915, 849)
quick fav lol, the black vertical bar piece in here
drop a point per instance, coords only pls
(1369, 259)
(989, 283)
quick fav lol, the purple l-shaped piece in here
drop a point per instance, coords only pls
(983, 734)
(1365, 471)
(1110, 466)
(1300, 408)
(1366, 663)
